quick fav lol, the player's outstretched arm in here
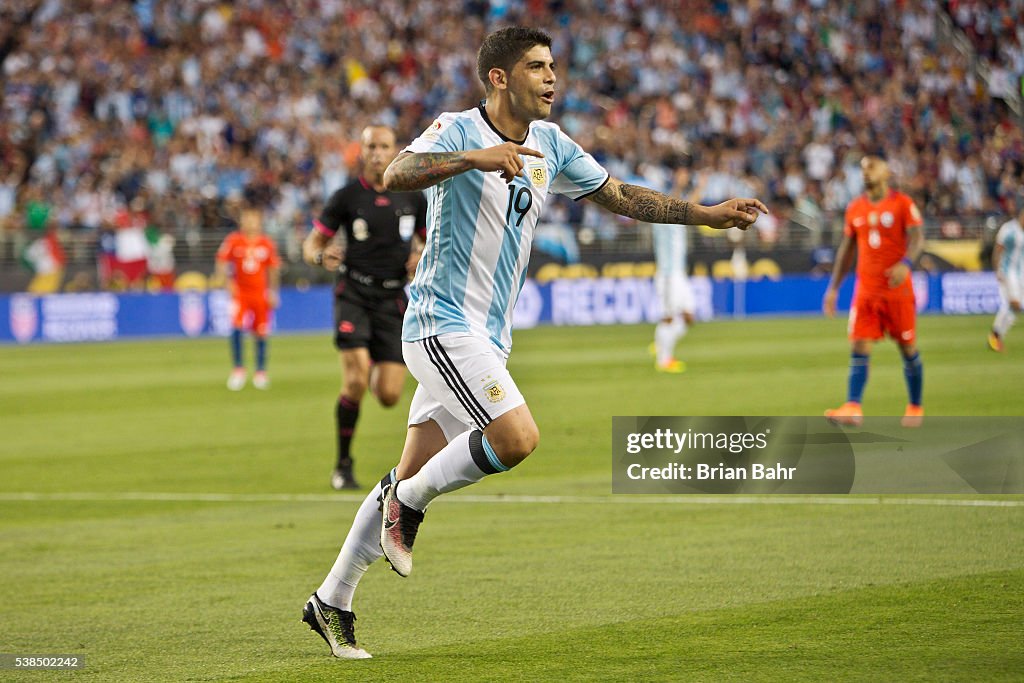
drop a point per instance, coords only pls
(651, 206)
(418, 171)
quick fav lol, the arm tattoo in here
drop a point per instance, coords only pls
(419, 171)
(643, 204)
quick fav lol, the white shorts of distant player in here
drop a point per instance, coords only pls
(463, 382)
(675, 294)
(1010, 289)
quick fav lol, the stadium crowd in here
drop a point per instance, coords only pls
(187, 110)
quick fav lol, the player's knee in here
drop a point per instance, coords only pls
(354, 387)
(388, 397)
(512, 448)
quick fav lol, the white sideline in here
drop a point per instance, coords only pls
(521, 499)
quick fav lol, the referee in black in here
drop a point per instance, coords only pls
(383, 237)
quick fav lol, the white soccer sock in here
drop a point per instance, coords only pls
(466, 459)
(360, 550)
(682, 327)
(666, 335)
(1004, 320)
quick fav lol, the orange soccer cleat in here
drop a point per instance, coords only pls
(913, 416)
(995, 342)
(849, 414)
(672, 366)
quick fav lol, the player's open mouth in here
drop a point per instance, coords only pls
(549, 96)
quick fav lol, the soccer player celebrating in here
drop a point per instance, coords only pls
(254, 282)
(489, 170)
(1008, 263)
(382, 249)
(882, 229)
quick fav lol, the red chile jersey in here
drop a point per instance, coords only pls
(251, 259)
(378, 227)
(880, 229)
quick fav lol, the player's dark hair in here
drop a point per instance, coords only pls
(878, 152)
(504, 47)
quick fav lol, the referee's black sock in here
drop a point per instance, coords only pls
(346, 413)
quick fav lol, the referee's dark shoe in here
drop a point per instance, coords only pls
(342, 478)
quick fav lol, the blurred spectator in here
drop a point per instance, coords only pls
(160, 259)
(128, 270)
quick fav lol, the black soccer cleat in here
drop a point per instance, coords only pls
(343, 479)
(335, 626)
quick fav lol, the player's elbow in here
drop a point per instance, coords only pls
(399, 176)
(391, 179)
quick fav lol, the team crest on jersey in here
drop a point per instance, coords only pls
(494, 392)
(538, 175)
(888, 219)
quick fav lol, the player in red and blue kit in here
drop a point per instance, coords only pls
(882, 229)
(249, 265)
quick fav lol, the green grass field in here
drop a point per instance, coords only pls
(171, 531)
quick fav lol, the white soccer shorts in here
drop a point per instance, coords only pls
(675, 294)
(463, 382)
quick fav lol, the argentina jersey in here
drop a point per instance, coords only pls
(1011, 237)
(480, 228)
(669, 240)
(669, 248)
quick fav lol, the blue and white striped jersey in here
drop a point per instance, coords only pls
(1011, 236)
(669, 248)
(670, 240)
(480, 229)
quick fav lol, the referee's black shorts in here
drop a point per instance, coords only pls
(369, 317)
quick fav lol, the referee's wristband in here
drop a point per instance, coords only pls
(908, 262)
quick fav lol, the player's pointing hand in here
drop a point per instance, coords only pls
(504, 158)
(734, 213)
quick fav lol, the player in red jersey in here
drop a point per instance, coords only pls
(882, 229)
(254, 282)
